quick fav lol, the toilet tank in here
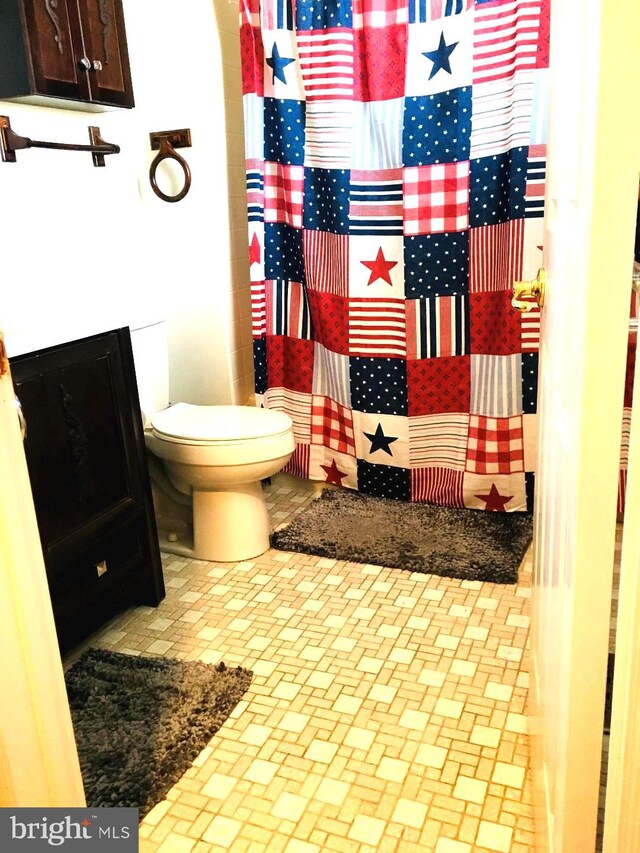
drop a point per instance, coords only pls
(151, 358)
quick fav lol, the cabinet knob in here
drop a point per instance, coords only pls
(97, 65)
(85, 62)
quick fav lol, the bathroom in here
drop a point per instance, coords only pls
(103, 252)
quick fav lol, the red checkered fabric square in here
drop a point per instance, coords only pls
(380, 13)
(495, 445)
(436, 198)
(380, 63)
(332, 425)
(330, 320)
(251, 60)
(495, 328)
(289, 363)
(283, 187)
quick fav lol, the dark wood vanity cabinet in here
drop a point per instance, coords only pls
(89, 477)
(69, 53)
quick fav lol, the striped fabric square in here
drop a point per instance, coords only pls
(423, 11)
(331, 375)
(379, 13)
(436, 198)
(294, 404)
(496, 385)
(277, 14)
(332, 425)
(283, 192)
(326, 261)
(436, 485)
(258, 309)
(535, 186)
(437, 326)
(495, 445)
(377, 134)
(501, 114)
(438, 441)
(505, 38)
(377, 328)
(287, 309)
(530, 329)
(329, 134)
(255, 190)
(326, 63)
(375, 202)
(299, 464)
(495, 256)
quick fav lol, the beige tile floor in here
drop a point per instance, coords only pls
(386, 711)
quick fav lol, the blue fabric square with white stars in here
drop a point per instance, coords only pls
(284, 131)
(437, 128)
(529, 382)
(323, 14)
(530, 486)
(436, 265)
(283, 252)
(497, 187)
(326, 200)
(378, 385)
(384, 481)
(260, 364)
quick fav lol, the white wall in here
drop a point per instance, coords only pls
(83, 249)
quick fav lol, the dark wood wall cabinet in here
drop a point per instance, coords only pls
(87, 464)
(65, 53)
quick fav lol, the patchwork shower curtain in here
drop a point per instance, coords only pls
(395, 154)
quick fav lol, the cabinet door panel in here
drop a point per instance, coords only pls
(105, 42)
(55, 48)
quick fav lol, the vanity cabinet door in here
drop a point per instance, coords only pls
(65, 53)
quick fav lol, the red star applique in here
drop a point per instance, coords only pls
(494, 500)
(379, 268)
(254, 250)
(334, 475)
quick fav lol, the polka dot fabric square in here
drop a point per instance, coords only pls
(283, 257)
(437, 128)
(326, 200)
(436, 264)
(497, 188)
(284, 122)
(378, 385)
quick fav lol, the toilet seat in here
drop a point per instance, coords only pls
(184, 423)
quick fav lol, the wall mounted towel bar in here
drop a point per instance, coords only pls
(165, 141)
(10, 142)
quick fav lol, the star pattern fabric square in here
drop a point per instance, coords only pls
(283, 257)
(326, 261)
(443, 486)
(436, 265)
(379, 63)
(284, 123)
(376, 267)
(497, 187)
(332, 425)
(283, 192)
(382, 439)
(378, 385)
(439, 385)
(395, 159)
(437, 128)
(326, 201)
(330, 319)
(436, 198)
(429, 449)
(495, 326)
(495, 445)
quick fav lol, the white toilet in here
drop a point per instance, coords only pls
(206, 462)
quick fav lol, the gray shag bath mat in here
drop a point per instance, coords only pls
(437, 540)
(140, 722)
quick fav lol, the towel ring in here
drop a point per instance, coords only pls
(167, 142)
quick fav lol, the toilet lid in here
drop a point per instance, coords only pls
(186, 422)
